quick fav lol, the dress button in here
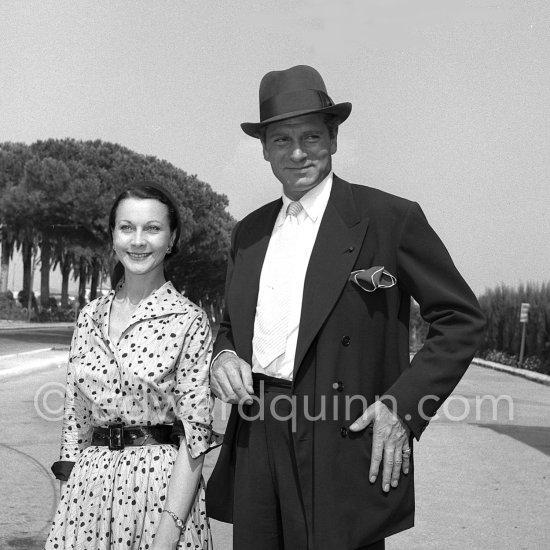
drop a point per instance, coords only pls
(344, 431)
(346, 340)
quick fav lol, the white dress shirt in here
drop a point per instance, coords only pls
(314, 203)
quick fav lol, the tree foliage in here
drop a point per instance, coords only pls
(56, 195)
(501, 306)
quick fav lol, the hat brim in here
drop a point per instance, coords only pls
(340, 110)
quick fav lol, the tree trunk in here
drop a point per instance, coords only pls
(65, 274)
(45, 261)
(82, 283)
(26, 252)
(95, 279)
(7, 249)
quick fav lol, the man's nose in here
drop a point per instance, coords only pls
(297, 153)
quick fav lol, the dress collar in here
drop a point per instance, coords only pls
(165, 300)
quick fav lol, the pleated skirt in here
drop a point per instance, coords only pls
(114, 499)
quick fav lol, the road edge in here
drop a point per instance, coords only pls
(523, 373)
(60, 360)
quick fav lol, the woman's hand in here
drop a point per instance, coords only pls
(164, 540)
(182, 490)
(158, 545)
(167, 535)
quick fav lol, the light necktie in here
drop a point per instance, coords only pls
(293, 209)
(271, 324)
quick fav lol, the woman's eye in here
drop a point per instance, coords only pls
(153, 228)
(125, 227)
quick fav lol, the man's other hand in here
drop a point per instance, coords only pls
(231, 378)
(390, 444)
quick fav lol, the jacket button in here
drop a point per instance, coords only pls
(338, 386)
(344, 431)
(346, 340)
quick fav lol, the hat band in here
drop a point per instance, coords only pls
(290, 102)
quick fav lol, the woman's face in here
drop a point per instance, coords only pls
(141, 235)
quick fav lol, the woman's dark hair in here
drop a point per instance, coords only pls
(145, 190)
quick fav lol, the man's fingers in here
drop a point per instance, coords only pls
(218, 379)
(246, 376)
(216, 384)
(401, 463)
(364, 420)
(238, 392)
(223, 388)
(390, 445)
(387, 468)
(216, 389)
(231, 379)
(406, 459)
(397, 463)
(376, 457)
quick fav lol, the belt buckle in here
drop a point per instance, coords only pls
(116, 437)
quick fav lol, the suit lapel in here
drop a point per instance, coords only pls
(251, 250)
(336, 248)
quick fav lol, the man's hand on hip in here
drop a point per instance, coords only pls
(231, 378)
(390, 444)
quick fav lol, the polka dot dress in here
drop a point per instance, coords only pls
(157, 373)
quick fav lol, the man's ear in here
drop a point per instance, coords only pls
(264, 149)
(334, 141)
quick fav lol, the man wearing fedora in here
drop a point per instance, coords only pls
(313, 348)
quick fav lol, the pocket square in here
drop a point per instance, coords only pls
(372, 278)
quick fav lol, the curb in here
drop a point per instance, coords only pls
(61, 361)
(24, 353)
(523, 373)
(16, 325)
(13, 372)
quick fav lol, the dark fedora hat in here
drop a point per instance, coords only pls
(293, 92)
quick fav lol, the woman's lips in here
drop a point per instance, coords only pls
(138, 255)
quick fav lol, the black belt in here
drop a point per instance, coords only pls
(118, 436)
(262, 383)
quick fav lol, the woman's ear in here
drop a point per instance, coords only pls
(172, 240)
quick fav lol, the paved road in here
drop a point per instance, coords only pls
(29, 339)
(483, 467)
(30, 425)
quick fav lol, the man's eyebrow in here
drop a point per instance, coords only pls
(145, 223)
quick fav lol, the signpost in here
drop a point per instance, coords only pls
(523, 319)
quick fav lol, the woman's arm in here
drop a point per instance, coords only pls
(194, 410)
(76, 429)
(182, 489)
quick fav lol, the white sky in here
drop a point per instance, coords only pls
(451, 101)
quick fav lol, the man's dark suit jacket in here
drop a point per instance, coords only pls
(353, 343)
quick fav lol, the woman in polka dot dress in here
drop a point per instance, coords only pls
(138, 406)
